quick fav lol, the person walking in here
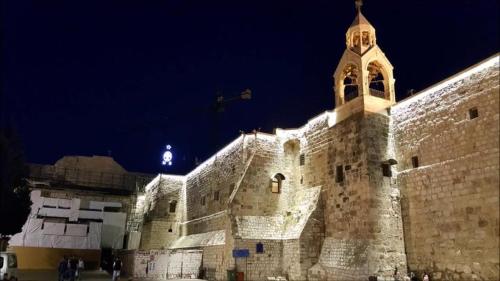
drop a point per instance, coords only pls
(62, 268)
(81, 266)
(73, 267)
(117, 267)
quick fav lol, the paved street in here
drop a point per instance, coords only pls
(51, 275)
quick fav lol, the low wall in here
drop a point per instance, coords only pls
(161, 264)
(49, 258)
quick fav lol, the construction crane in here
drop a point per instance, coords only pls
(220, 105)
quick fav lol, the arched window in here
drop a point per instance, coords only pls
(172, 206)
(366, 38)
(276, 183)
(350, 82)
(356, 40)
(377, 81)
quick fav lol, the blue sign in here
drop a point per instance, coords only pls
(241, 253)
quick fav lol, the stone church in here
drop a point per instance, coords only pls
(373, 188)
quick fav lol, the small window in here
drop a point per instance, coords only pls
(386, 170)
(259, 248)
(276, 183)
(203, 200)
(339, 176)
(216, 195)
(172, 206)
(414, 161)
(302, 159)
(473, 113)
(347, 167)
(1, 262)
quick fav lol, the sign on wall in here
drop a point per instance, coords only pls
(241, 253)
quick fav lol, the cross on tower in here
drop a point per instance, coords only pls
(358, 4)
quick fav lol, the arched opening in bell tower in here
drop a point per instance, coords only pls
(377, 81)
(351, 88)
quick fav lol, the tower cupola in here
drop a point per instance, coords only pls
(360, 36)
(364, 78)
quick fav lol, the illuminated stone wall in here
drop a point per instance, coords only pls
(450, 202)
(321, 226)
(161, 225)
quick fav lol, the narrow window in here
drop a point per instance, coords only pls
(203, 200)
(302, 159)
(259, 248)
(276, 183)
(473, 113)
(172, 206)
(414, 161)
(216, 195)
(386, 170)
(339, 174)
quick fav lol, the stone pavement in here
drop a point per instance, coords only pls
(51, 275)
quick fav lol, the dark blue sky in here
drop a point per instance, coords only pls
(88, 77)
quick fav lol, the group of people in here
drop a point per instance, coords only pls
(412, 277)
(70, 269)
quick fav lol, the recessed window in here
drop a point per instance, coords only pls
(473, 113)
(259, 248)
(203, 199)
(172, 206)
(347, 167)
(216, 196)
(339, 175)
(276, 183)
(414, 161)
(302, 159)
(386, 170)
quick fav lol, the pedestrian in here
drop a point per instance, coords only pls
(62, 268)
(73, 267)
(81, 266)
(117, 267)
(425, 277)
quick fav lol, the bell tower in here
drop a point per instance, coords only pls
(363, 79)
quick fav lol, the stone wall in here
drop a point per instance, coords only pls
(450, 201)
(259, 266)
(163, 211)
(161, 264)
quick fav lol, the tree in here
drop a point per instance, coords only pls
(14, 194)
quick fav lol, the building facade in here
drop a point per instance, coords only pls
(80, 206)
(374, 188)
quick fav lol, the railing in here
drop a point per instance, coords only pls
(66, 176)
(350, 94)
(377, 93)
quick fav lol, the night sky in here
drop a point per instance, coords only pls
(128, 77)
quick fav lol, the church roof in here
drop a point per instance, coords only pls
(360, 19)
